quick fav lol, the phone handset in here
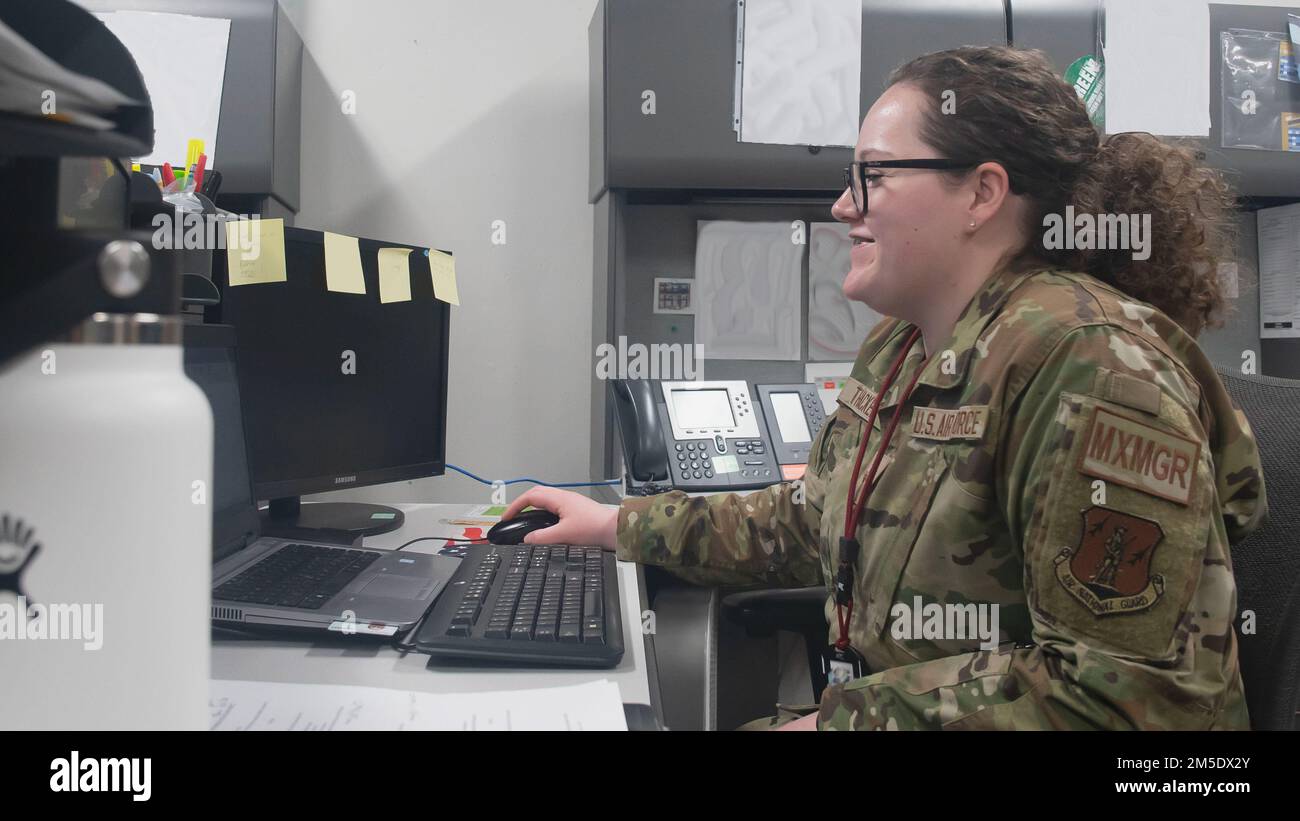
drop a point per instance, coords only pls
(640, 430)
(699, 436)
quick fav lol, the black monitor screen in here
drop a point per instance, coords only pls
(339, 389)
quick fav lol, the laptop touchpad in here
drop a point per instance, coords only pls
(397, 587)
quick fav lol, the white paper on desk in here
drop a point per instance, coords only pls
(837, 325)
(182, 59)
(747, 281)
(261, 705)
(799, 72)
(1279, 271)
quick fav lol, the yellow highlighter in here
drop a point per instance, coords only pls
(192, 152)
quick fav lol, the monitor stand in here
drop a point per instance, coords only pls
(340, 522)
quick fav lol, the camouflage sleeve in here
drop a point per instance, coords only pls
(1107, 484)
(1239, 476)
(767, 538)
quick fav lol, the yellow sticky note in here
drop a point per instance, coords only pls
(255, 251)
(394, 275)
(343, 264)
(442, 267)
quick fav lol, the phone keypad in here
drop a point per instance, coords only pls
(693, 463)
(816, 412)
(693, 460)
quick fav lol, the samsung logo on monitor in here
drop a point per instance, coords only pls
(343, 480)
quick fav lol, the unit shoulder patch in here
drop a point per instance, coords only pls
(1109, 571)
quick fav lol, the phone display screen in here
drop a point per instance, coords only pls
(790, 419)
(696, 409)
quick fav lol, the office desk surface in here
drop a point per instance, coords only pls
(380, 665)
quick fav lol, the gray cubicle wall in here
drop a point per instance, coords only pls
(660, 242)
(685, 52)
(1255, 173)
(1274, 175)
(654, 177)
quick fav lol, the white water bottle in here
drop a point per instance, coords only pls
(105, 532)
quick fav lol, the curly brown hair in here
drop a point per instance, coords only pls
(1013, 108)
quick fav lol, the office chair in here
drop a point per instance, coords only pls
(1266, 565)
(799, 610)
(713, 674)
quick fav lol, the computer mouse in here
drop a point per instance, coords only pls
(512, 531)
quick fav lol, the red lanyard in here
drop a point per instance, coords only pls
(849, 547)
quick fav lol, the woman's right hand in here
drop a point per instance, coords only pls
(583, 521)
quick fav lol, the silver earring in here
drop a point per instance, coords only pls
(972, 225)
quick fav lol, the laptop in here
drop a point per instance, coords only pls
(264, 582)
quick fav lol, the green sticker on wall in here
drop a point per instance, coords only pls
(1088, 76)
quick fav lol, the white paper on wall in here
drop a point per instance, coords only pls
(799, 72)
(182, 59)
(747, 280)
(837, 325)
(1279, 271)
(1149, 45)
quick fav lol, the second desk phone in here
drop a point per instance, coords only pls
(711, 435)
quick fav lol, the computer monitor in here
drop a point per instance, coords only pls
(339, 390)
(210, 364)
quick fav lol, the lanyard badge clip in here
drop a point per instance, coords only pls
(840, 662)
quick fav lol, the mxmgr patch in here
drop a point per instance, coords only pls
(1110, 569)
(1137, 455)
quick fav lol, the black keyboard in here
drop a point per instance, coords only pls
(297, 575)
(529, 604)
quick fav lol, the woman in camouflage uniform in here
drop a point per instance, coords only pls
(1062, 452)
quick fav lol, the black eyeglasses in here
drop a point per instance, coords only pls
(855, 176)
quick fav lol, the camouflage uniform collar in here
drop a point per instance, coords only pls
(979, 312)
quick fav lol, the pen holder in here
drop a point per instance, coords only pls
(186, 224)
(201, 231)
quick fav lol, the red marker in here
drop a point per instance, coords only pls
(168, 176)
(198, 172)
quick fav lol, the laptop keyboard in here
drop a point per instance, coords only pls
(297, 575)
(555, 604)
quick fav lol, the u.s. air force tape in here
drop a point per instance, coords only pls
(966, 422)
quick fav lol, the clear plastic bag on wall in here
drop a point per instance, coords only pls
(1261, 109)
